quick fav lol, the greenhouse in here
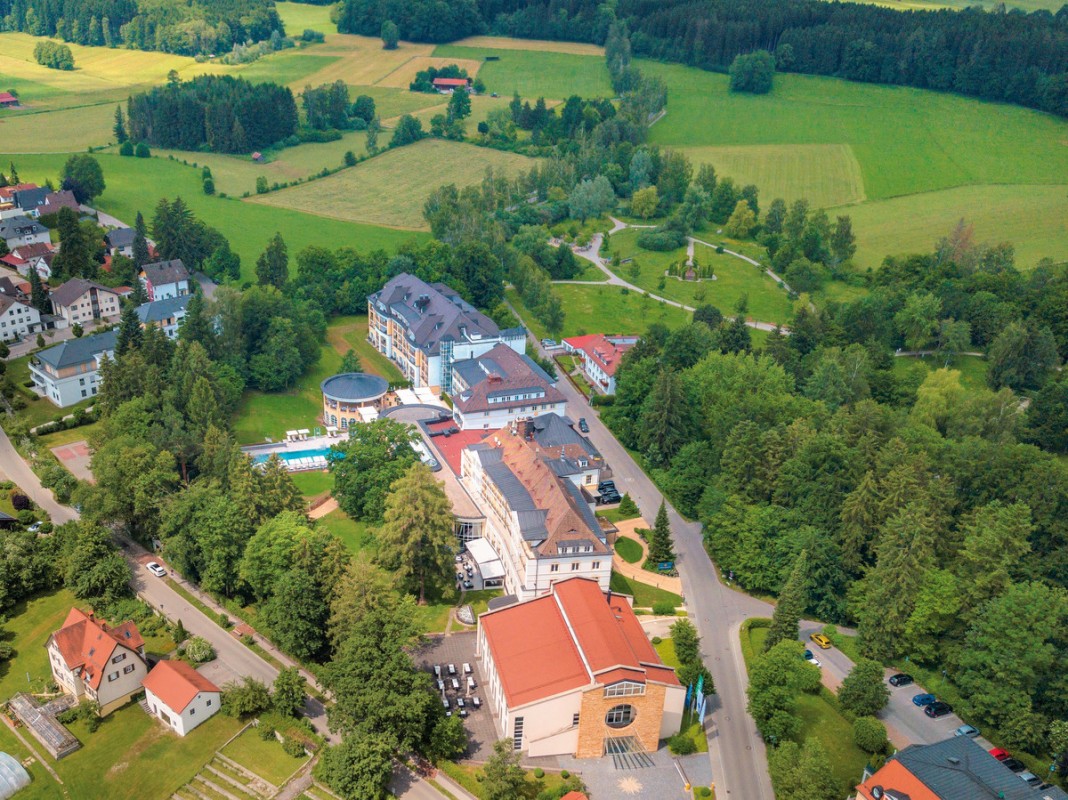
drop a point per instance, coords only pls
(12, 776)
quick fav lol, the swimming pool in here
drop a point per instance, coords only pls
(294, 455)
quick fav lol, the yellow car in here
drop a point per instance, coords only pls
(821, 640)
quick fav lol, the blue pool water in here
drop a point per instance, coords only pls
(293, 455)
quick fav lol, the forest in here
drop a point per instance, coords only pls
(1011, 56)
(222, 113)
(183, 28)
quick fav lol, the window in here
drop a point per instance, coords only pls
(575, 565)
(114, 676)
(554, 568)
(192, 712)
(624, 689)
(517, 734)
(574, 719)
(589, 480)
(596, 565)
(619, 716)
(209, 702)
(118, 658)
(128, 669)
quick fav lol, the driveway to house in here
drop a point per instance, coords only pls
(29, 344)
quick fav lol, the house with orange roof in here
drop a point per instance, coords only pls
(600, 355)
(572, 672)
(94, 661)
(180, 696)
(539, 523)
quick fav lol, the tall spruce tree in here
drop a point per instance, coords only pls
(792, 601)
(120, 126)
(38, 295)
(130, 333)
(660, 547)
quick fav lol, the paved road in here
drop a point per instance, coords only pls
(737, 752)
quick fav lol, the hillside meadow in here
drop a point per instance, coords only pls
(135, 184)
(390, 189)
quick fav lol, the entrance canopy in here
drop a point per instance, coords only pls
(489, 563)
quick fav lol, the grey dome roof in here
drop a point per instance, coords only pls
(354, 387)
(12, 776)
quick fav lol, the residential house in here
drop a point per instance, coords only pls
(164, 279)
(573, 673)
(69, 372)
(7, 193)
(449, 85)
(426, 328)
(37, 256)
(18, 319)
(13, 286)
(180, 696)
(94, 661)
(957, 768)
(499, 386)
(540, 526)
(166, 314)
(119, 241)
(29, 200)
(80, 301)
(57, 200)
(20, 230)
(599, 356)
(8, 100)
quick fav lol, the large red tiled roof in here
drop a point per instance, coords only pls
(86, 643)
(895, 777)
(542, 647)
(601, 349)
(176, 684)
(450, 81)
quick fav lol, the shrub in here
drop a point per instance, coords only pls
(627, 506)
(21, 502)
(565, 774)
(294, 748)
(659, 240)
(869, 734)
(656, 640)
(209, 186)
(265, 731)
(142, 151)
(224, 621)
(682, 745)
(350, 158)
(26, 517)
(663, 608)
(261, 185)
(245, 699)
(703, 791)
(199, 650)
(126, 148)
(539, 773)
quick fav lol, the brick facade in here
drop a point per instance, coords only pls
(645, 728)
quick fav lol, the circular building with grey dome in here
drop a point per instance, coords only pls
(351, 398)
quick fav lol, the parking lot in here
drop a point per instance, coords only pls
(458, 649)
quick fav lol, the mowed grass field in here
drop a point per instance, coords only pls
(391, 189)
(1033, 218)
(135, 184)
(535, 73)
(536, 45)
(823, 174)
(402, 76)
(298, 17)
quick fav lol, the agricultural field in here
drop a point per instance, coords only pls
(403, 75)
(361, 61)
(1033, 218)
(535, 73)
(823, 174)
(534, 45)
(390, 189)
(987, 5)
(298, 17)
(135, 184)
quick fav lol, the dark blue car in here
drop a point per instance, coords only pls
(924, 699)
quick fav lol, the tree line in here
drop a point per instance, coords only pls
(999, 55)
(186, 28)
(222, 113)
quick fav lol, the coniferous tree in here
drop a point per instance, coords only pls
(130, 334)
(38, 293)
(660, 546)
(120, 126)
(272, 267)
(791, 605)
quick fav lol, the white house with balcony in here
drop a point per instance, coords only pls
(69, 372)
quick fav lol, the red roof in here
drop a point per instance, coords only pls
(7, 97)
(8, 192)
(605, 350)
(87, 643)
(542, 647)
(176, 684)
(451, 81)
(895, 778)
(574, 796)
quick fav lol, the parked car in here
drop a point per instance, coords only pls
(966, 730)
(548, 343)
(814, 661)
(924, 699)
(938, 709)
(606, 485)
(821, 640)
(155, 569)
(35, 527)
(807, 655)
(901, 679)
(1014, 764)
(1000, 754)
(1030, 778)
(469, 585)
(583, 426)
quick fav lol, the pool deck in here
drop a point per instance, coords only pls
(257, 451)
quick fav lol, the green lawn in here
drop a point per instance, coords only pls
(355, 534)
(27, 628)
(263, 414)
(972, 368)
(313, 483)
(266, 758)
(298, 17)
(433, 617)
(615, 515)
(78, 434)
(644, 595)
(468, 776)
(666, 651)
(536, 74)
(629, 550)
(135, 184)
(603, 309)
(822, 720)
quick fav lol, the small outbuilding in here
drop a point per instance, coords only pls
(8, 100)
(180, 696)
(352, 397)
(13, 776)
